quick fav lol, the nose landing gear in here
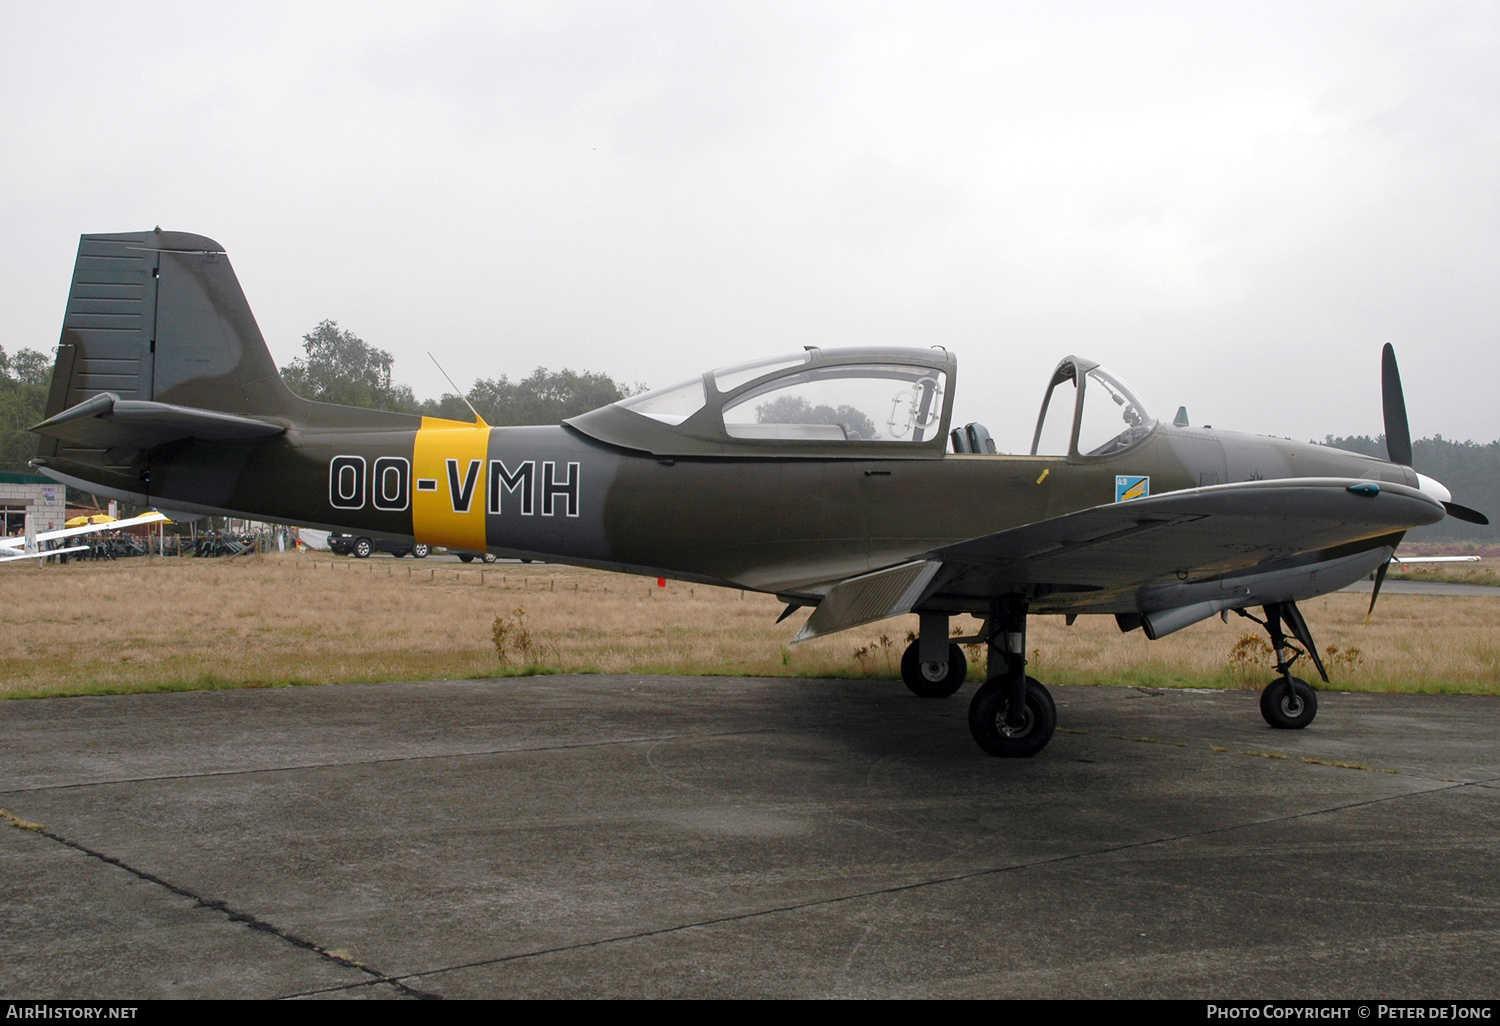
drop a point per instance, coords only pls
(1288, 703)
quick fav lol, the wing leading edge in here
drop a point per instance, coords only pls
(1097, 559)
(1194, 534)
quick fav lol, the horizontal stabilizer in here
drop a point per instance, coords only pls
(870, 597)
(106, 421)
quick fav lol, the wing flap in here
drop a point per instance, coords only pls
(870, 597)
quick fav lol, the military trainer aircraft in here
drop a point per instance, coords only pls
(824, 477)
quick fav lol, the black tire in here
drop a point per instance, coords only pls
(987, 720)
(1288, 708)
(489, 557)
(464, 557)
(419, 551)
(919, 681)
(398, 553)
(363, 548)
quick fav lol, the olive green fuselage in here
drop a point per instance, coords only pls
(790, 526)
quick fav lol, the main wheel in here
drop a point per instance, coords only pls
(1288, 708)
(987, 720)
(464, 557)
(933, 680)
(419, 551)
(489, 557)
(362, 548)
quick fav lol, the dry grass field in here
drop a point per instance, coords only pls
(174, 624)
(1446, 573)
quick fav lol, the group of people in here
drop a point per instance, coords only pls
(100, 546)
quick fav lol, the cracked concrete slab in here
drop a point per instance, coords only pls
(76, 927)
(710, 836)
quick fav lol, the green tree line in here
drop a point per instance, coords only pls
(24, 377)
(1470, 470)
(337, 366)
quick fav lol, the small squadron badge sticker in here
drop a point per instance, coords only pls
(1130, 486)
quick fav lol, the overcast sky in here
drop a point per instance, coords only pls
(1230, 205)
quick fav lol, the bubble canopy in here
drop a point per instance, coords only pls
(854, 403)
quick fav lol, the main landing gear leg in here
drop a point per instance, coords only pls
(1288, 703)
(1012, 715)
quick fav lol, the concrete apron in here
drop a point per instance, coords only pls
(680, 836)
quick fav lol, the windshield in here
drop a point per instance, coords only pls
(1054, 429)
(671, 405)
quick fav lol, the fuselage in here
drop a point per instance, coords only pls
(773, 524)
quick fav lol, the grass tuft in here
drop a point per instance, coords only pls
(17, 822)
(1329, 762)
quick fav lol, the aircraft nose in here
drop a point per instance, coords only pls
(1434, 488)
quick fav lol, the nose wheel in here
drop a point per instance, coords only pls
(1288, 703)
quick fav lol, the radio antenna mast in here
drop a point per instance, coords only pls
(477, 418)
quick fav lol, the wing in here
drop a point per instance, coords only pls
(1089, 560)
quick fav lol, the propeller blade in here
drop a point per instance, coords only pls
(1473, 516)
(1397, 432)
(1375, 594)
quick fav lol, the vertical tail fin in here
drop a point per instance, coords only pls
(160, 316)
(158, 348)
